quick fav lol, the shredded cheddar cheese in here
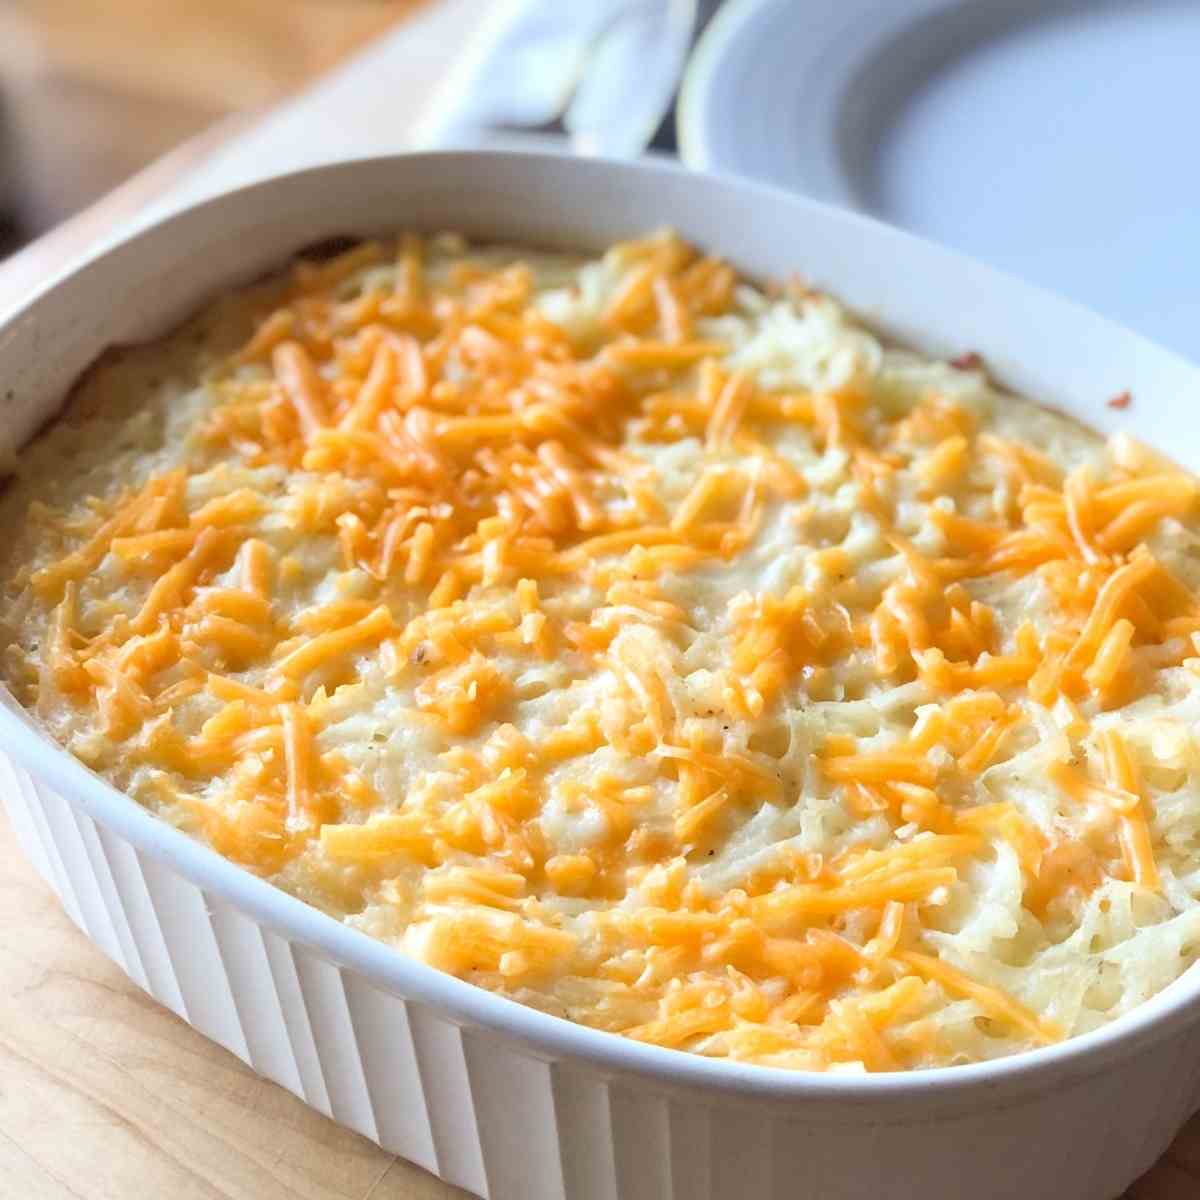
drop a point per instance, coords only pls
(660, 652)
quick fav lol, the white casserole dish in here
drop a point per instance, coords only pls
(502, 1100)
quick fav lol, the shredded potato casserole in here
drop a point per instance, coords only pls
(663, 652)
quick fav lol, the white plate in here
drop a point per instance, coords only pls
(1055, 138)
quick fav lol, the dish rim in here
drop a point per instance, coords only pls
(551, 1037)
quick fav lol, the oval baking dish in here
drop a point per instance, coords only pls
(500, 1099)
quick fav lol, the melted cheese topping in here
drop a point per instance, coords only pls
(660, 652)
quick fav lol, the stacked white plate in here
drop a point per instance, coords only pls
(1054, 138)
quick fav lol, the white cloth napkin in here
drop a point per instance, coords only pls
(610, 68)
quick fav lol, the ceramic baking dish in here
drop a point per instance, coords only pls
(504, 1101)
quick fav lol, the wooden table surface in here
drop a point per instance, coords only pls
(93, 90)
(105, 1095)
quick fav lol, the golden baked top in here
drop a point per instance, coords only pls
(664, 652)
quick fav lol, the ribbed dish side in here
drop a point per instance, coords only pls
(494, 1118)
